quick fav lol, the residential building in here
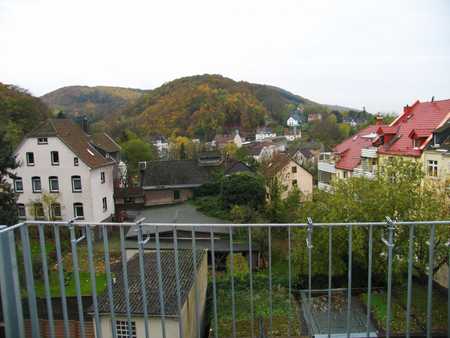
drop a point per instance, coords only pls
(63, 173)
(302, 155)
(162, 145)
(314, 117)
(264, 133)
(220, 141)
(290, 175)
(193, 283)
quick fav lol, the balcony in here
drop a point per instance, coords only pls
(77, 279)
(369, 152)
(360, 172)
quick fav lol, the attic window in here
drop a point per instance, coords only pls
(42, 140)
(90, 152)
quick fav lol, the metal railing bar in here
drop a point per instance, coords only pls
(289, 283)
(213, 270)
(349, 288)
(269, 234)
(98, 328)
(390, 245)
(160, 284)
(177, 281)
(330, 263)
(369, 280)
(125, 276)
(409, 291)
(76, 272)
(233, 300)
(142, 277)
(309, 246)
(62, 287)
(448, 288)
(30, 282)
(46, 281)
(109, 280)
(252, 310)
(194, 263)
(430, 280)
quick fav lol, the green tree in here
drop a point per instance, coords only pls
(8, 209)
(243, 189)
(135, 150)
(398, 191)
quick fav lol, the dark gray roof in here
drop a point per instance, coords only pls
(174, 173)
(150, 230)
(220, 245)
(186, 273)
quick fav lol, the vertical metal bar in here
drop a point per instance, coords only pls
(330, 253)
(269, 229)
(142, 277)
(389, 281)
(369, 279)
(98, 328)
(30, 282)
(448, 286)
(252, 310)
(76, 273)
(125, 277)
(62, 287)
(349, 288)
(46, 281)
(177, 280)
(194, 262)
(309, 246)
(290, 283)
(109, 280)
(10, 286)
(213, 267)
(233, 301)
(430, 280)
(160, 284)
(410, 266)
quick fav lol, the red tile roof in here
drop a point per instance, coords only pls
(422, 118)
(350, 149)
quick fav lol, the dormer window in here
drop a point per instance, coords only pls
(42, 140)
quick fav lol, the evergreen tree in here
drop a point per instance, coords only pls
(8, 208)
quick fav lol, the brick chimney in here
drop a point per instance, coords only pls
(379, 119)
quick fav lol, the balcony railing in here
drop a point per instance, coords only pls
(33, 254)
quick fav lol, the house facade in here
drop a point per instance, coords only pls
(264, 133)
(62, 175)
(193, 287)
(290, 175)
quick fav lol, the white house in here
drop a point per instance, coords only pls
(292, 122)
(63, 174)
(264, 133)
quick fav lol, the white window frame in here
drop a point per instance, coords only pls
(52, 159)
(42, 140)
(76, 178)
(433, 167)
(50, 179)
(76, 207)
(54, 207)
(122, 329)
(105, 203)
(35, 206)
(102, 177)
(29, 163)
(21, 207)
(17, 180)
(33, 180)
(76, 162)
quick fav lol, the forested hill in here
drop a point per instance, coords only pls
(97, 102)
(196, 106)
(20, 112)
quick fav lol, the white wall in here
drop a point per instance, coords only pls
(92, 189)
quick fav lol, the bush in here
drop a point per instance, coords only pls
(240, 266)
(243, 189)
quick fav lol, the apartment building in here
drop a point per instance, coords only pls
(64, 173)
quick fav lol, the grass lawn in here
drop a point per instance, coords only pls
(418, 309)
(280, 308)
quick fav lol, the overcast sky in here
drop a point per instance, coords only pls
(381, 54)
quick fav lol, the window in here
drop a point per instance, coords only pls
(294, 170)
(53, 184)
(123, 330)
(21, 211)
(18, 184)
(294, 183)
(36, 184)
(76, 184)
(42, 140)
(54, 155)
(105, 204)
(78, 210)
(38, 211)
(102, 177)
(56, 210)
(75, 161)
(30, 159)
(432, 168)
(176, 194)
